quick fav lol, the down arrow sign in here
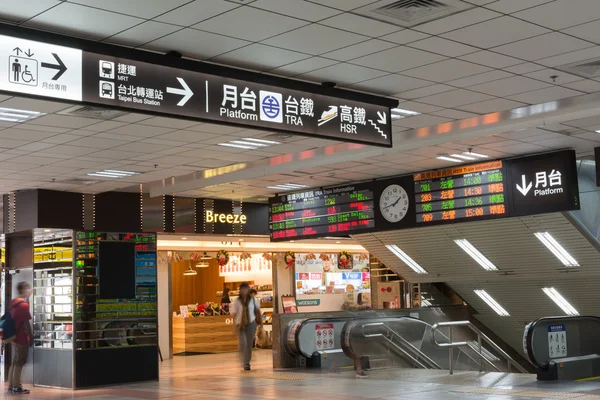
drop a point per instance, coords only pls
(61, 67)
(524, 188)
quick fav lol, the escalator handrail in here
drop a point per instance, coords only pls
(479, 333)
(531, 327)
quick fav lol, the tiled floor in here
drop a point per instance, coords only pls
(219, 377)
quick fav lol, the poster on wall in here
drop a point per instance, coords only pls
(557, 341)
(361, 262)
(329, 261)
(325, 336)
(289, 304)
(345, 261)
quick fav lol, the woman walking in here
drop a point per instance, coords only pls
(246, 314)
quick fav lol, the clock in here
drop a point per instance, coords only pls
(394, 203)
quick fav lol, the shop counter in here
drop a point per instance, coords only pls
(204, 335)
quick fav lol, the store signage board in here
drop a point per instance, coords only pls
(492, 189)
(41, 69)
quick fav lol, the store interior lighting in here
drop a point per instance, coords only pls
(189, 272)
(489, 300)
(556, 249)
(560, 301)
(476, 254)
(406, 259)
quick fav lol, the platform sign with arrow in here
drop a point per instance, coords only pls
(544, 183)
(40, 69)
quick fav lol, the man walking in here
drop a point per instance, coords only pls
(19, 312)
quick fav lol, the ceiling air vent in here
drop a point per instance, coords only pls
(587, 69)
(279, 137)
(92, 112)
(78, 182)
(409, 13)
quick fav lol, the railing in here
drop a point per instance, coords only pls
(391, 334)
(481, 337)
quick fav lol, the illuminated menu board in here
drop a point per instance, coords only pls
(321, 213)
(465, 192)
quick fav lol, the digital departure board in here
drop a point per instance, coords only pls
(321, 213)
(471, 191)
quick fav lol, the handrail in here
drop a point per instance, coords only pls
(480, 336)
(405, 342)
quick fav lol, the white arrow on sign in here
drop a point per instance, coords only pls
(524, 188)
(382, 117)
(186, 92)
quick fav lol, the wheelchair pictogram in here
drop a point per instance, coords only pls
(22, 71)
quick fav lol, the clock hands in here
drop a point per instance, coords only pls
(394, 203)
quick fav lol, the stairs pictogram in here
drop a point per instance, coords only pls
(377, 129)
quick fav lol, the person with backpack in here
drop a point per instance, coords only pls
(22, 339)
(246, 315)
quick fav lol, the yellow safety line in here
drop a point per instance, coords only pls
(593, 378)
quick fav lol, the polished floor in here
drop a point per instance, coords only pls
(219, 377)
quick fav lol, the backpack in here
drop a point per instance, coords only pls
(7, 325)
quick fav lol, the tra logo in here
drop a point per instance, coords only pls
(270, 106)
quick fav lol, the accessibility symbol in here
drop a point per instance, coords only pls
(22, 70)
(270, 106)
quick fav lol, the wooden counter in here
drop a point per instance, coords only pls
(204, 335)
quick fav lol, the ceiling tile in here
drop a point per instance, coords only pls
(216, 128)
(112, 154)
(422, 120)
(444, 47)
(425, 91)
(104, 126)
(171, 123)
(23, 103)
(87, 22)
(545, 95)
(454, 114)
(390, 84)
(132, 117)
(342, 74)
(141, 130)
(587, 31)
(302, 67)
(543, 46)
(480, 78)
(293, 8)
(345, 5)
(546, 73)
(457, 21)
(66, 150)
(398, 59)
(446, 70)
(97, 143)
(140, 8)
(490, 106)
(508, 86)
(405, 36)
(259, 57)
(561, 14)
(18, 11)
(455, 98)
(418, 107)
(490, 59)
(191, 136)
(574, 56)
(196, 44)
(22, 134)
(61, 139)
(357, 24)
(315, 39)
(360, 49)
(63, 121)
(195, 11)
(524, 68)
(585, 85)
(142, 33)
(511, 6)
(250, 24)
(495, 32)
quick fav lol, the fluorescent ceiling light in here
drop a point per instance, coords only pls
(462, 157)
(556, 249)
(470, 153)
(287, 186)
(406, 259)
(476, 254)
(489, 300)
(444, 158)
(113, 173)
(249, 143)
(560, 301)
(16, 115)
(398, 113)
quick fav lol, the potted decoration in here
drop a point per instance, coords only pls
(222, 258)
(344, 260)
(290, 259)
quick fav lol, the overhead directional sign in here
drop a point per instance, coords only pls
(43, 69)
(40, 69)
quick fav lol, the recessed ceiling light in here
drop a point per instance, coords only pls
(489, 300)
(406, 259)
(184, 238)
(113, 173)
(287, 186)
(249, 143)
(445, 158)
(16, 115)
(398, 113)
(556, 249)
(560, 301)
(598, 131)
(476, 254)
(471, 154)
(47, 230)
(462, 157)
